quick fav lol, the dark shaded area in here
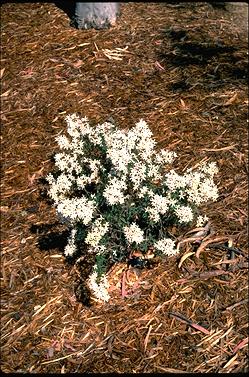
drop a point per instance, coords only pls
(49, 240)
(204, 52)
(50, 237)
(52, 240)
(42, 228)
(176, 35)
(179, 86)
(185, 53)
(218, 4)
(82, 292)
(215, 4)
(215, 62)
(67, 6)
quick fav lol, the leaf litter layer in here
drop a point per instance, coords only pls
(183, 68)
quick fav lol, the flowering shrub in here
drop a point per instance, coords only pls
(117, 193)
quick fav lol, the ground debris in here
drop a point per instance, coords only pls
(182, 67)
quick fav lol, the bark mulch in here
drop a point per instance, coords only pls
(183, 68)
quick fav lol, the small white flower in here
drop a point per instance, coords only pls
(63, 142)
(209, 168)
(60, 187)
(82, 180)
(114, 253)
(97, 249)
(137, 174)
(113, 192)
(165, 157)
(153, 214)
(144, 143)
(201, 220)
(153, 172)
(171, 202)
(174, 181)
(98, 230)
(145, 147)
(200, 189)
(142, 191)
(166, 246)
(142, 130)
(120, 158)
(78, 209)
(200, 186)
(131, 140)
(184, 214)
(67, 162)
(133, 233)
(77, 126)
(70, 248)
(160, 203)
(100, 289)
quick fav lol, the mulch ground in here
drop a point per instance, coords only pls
(183, 68)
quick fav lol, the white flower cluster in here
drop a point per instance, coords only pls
(137, 174)
(114, 191)
(70, 248)
(98, 230)
(201, 220)
(200, 186)
(174, 181)
(59, 187)
(145, 143)
(166, 246)
(67, 163)
(158, 205)
(165, 157)
(133, 234)
(109, 177)
(131, 153)
(144, 191)
(100, 289)
(76, 209)
(197, 187)
(184, 214)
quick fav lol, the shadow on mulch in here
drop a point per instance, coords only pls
(220, 61)
(50, 239)
(66, 6)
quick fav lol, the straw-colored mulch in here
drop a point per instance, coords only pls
(183, 68)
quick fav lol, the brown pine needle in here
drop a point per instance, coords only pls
(240, 345)
(183, 319)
